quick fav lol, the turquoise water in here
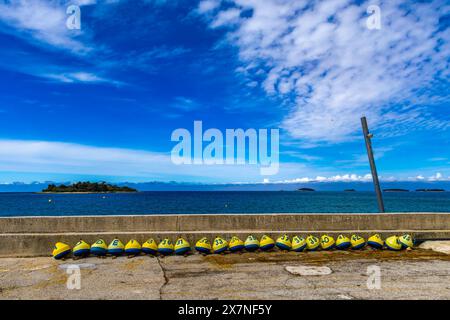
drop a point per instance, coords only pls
(30, 204)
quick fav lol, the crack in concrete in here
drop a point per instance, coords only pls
(166, 279)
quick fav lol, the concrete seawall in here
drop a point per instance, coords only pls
(35, 236)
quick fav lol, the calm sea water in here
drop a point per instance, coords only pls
(30, 204)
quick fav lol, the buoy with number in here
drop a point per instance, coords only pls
(266, 243)
(235, 244)
(220, 245)
(393, 244)
(357, 242)
(284, 242)
(116, 248)
(343, 242)
(99, 248)
(165, 247)
(182, 246)
(251, 243)
(60, 250)
(375, 241)
(81, 249)
(298, 244)
(406, 241)
(312, 243)
(133, 247)
(203, 246)
(327, 242)
(150, 247)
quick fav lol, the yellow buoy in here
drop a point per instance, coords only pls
(116, 247)
(357, 242)
(375, 241)
(133, 247)
(235, 244)
(165, 247)
(284, 242)
(60, 250)
(327, 242)
(251, 243)
(182, 246)
(298, 244)
(266, 243)
(99, 248)
(219, 245)
(392, 243)
(406, 241)
(203, 246)
(150, 247)
(81, 249)
(343, 242)
(312, 243)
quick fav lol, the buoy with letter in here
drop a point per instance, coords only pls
(298, 244)
(220, 245)
(182, 246)
(203, 246)
(327, 242)
(251, 243)
(81, 249)
(235, 244)
(406, 241)
(165, 247)
(375, 241)
(116, 248)
(357, 242)
(99, 248)
(284, 242)
(150, 247)
(343, 242)
(266, 243)
(393, 244)
(312, 243)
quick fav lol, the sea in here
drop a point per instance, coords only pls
(216, 202)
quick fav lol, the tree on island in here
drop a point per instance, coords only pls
(90, 187)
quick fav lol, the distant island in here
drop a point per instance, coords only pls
(395, 190)
(430, 190)
(349, 190)
(87, 187)
(306, 189)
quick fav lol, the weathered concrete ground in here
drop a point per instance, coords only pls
(416, 274)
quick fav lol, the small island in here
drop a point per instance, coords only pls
(395, 190)
(87, 187)
(306, 189)
(430, 190)
(349, 190)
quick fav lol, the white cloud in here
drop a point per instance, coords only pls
(45, 21)
(338, 70)
(82, 77)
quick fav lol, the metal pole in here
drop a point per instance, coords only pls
(373, 168)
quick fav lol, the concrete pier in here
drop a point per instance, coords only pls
(35, 236)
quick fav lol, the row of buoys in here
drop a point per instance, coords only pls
(220, 245)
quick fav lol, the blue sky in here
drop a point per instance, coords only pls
(102, 102)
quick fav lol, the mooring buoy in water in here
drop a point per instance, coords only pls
(81, 249)
(116, 248)
(357, 242)
(60, 250)
(133, 247)
(406, 241)
(284, 242)
(393, 244)
(343, 242)
(327, 242)
(251, 243)
(235, 244)
(298, 244)
(203, 246)
(182, 246)
(150, 247)
(266, 243)
(165, 247)
(99, 248)
(375, 241)
(312, 243)
(220, 245)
